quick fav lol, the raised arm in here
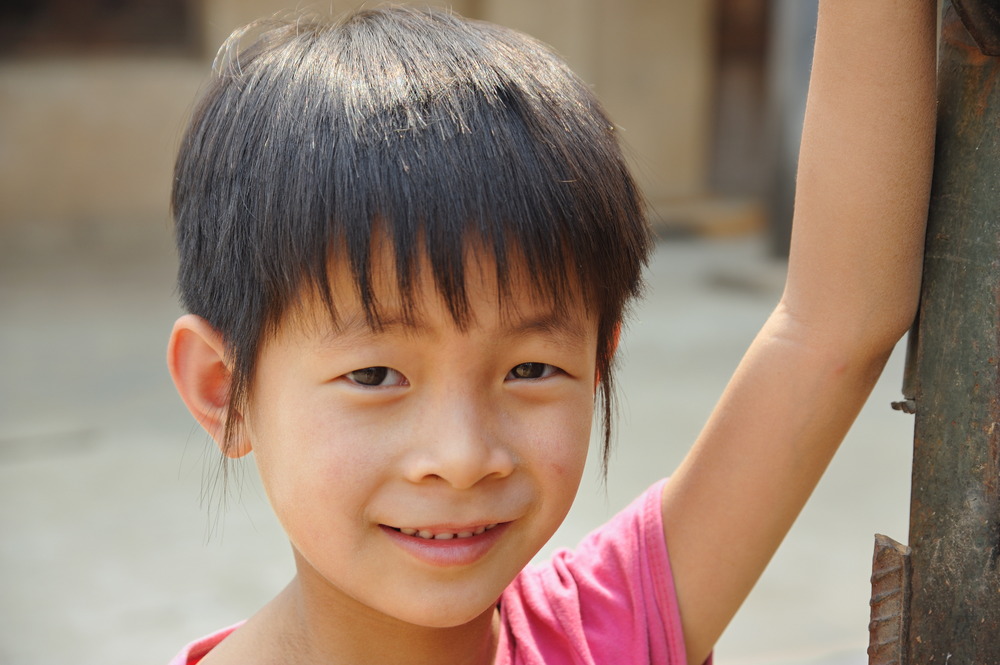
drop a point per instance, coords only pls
(852, 290)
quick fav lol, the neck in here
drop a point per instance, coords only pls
(313, 628)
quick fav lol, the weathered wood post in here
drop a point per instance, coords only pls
(941, 603)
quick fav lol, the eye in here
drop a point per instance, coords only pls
(374, 377)
(531, 371)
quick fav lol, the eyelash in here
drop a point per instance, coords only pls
(375, 377)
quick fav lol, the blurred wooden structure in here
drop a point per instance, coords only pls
(90, 116)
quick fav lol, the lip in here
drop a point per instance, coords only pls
(447, 553)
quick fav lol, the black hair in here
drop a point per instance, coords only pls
(431, 129)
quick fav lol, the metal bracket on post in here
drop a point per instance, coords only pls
(910, 388)
(890, 603)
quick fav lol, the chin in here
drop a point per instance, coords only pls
(444, 615)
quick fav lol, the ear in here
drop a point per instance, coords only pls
(196, 357)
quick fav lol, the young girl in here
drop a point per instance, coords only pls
(407, 243)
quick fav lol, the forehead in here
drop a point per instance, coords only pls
(511, 296)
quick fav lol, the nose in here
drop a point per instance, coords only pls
(458, 443)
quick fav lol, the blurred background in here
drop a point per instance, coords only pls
(117, 542)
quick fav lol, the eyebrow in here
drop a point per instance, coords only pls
(550, 324)
(547, 323)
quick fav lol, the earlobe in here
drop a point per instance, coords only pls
(196, 358)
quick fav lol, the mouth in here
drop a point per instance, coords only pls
(447, 545)
(444, 534)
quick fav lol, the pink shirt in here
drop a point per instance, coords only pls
(611, 600)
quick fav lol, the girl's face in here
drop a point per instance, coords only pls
(418, 468)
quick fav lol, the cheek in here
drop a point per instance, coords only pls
(310, 457)
(561, 443)
(561, 454)
(568, 469)
(320, 451)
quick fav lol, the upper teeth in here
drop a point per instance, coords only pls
(427, 535)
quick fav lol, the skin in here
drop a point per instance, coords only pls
(460, 442)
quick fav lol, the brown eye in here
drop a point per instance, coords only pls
(369, 376)
(529, 371)
(376, 376)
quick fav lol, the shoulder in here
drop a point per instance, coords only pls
(613, 592)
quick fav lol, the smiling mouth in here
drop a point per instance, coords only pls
(427, 534)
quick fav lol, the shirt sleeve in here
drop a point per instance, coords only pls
(194, 652)
(611, 600)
